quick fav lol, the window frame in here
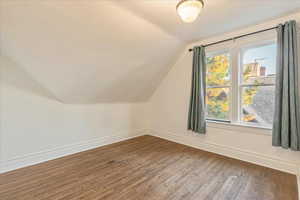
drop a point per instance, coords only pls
(236, 50)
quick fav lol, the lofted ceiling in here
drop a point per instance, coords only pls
(93, 51)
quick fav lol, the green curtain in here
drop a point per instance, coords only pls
(286, 125)
(196, 118)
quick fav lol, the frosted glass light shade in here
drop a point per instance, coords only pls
(189, 10)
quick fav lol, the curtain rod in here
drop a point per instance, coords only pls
(237, 37)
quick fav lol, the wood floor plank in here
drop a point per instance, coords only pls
(145, 168)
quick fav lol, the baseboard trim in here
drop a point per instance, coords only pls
(43, 156)
(240, 154)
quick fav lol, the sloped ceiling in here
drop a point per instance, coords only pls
(93, 51)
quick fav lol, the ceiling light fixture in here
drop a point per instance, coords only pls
(189, 10)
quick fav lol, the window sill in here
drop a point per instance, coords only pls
(243, 128)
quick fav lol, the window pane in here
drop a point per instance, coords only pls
(258, 105)
(217, 68)
(217, 103)
(259, 64)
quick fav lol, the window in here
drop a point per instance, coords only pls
(241, 84)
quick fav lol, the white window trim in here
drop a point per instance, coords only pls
(234, 49)
(241, 128)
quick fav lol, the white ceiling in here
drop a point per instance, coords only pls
(218, 16)
(92, 51)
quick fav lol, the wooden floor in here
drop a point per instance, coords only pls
(147, 168)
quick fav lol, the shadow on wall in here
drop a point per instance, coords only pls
(14, 75)
(140, 79)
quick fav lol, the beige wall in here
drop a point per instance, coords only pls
(36, 127)
(168, 110)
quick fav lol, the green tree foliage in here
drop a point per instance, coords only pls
(217, 75)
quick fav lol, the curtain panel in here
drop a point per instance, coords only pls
(286, 125)
(196, 115)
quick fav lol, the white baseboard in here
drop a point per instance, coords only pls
(244, 155)
(39, 157)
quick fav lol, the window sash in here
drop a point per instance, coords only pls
(221, 86)
(240, 114)
(216, 53)
(217, 120)
(251, 85)
(229, 106)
